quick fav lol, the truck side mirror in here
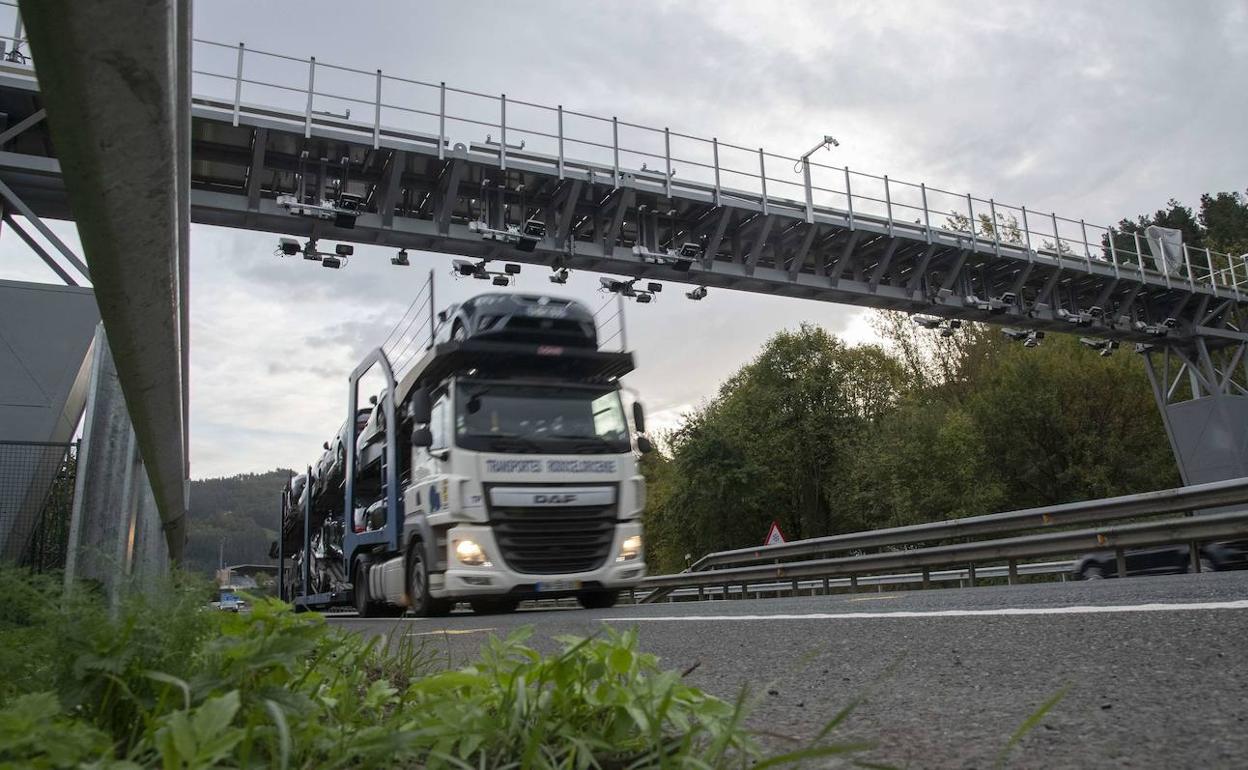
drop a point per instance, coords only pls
(422, 437)
(372, 400)
(639, 417)
(644, 446)
(422, 407)
(325, 445)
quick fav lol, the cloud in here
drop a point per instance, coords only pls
(1098, 112)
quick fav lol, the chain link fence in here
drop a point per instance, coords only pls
(36, 497)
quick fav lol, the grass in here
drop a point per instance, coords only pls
(163, 681)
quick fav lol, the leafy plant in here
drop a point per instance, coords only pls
(164, 681)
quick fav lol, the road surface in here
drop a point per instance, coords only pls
(1155, 668)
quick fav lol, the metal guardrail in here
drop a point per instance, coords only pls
(745, 565)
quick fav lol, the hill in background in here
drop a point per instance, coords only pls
(237, 513)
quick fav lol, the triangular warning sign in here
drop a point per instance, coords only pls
(774, 535)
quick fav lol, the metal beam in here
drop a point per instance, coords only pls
(803, 250)
(34, 219)
(259, 143)
(846, 252)
(882, 267)
(567, 209)
(36, 247)
(756, 248)
(20, 127)
(112, 78)
(717, 236)
(448, 194)
(390, 187)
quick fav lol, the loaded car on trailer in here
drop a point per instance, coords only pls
(500, 468)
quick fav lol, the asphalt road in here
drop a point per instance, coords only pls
(1155, 668)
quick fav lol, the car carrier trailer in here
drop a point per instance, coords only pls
(499, 468)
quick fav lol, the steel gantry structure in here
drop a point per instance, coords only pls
(425, 166)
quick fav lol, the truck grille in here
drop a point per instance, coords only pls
(554, 540)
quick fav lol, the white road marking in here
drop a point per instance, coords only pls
(1078, 610)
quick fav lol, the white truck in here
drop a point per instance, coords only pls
(500, 468)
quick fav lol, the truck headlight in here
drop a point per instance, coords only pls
(630, 549)
(468, 552)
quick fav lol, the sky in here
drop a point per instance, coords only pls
(1097, 110)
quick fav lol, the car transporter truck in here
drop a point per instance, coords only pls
(499, 468)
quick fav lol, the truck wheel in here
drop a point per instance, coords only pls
(421, 603)
(598, 600)
(499, 605)
(359, 593)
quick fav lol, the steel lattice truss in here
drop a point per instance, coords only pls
(417, 190)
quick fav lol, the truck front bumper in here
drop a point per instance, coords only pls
(461, 581)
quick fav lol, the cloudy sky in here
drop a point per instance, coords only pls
(1096, 111)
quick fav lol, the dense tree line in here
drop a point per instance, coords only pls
(235, 516)
(824, 437)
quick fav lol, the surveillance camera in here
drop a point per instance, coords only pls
(831, 140)
(464, 267)
(400, 259)
(511, 268)
(1170, 323)
(501, 280)
(560, 276)
(344, 249)
(654, 287)
(697, 293)
(332, 262)
(288, 246)
(690, 251)
(644, 298)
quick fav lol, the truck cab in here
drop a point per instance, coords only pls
(535, 485)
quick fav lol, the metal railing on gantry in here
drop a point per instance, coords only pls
(252, 79)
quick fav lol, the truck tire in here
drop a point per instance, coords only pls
(598, 600)
(420, 602)
(359, 593)
(494, 605)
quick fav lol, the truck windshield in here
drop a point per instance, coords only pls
(504, 417)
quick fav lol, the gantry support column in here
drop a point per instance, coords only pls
(114, 78)
(115, 532)
(1203, 398)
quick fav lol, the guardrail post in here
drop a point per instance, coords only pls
(888, 206)
(826, 587)
(927, 219)
(377, 115)
(238, 84)
(853, 583)
(1087, 248)
(615, 148)
(996, 234)
(762, 175)
(970, 212)
(810, 198)
(502, 127)
(667, 157)
(1120, 556)
(927, 578)
(1026, 233)
(849, 200)
(1193, 551)
(701, 593)
(796, 587)
(1013, 578)
(307, 113)
(442, 121)
(1187, 260)
(715, 153)
(970, 575)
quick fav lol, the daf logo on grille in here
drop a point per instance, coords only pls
(553, 499)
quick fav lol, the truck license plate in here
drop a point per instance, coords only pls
(558, 585)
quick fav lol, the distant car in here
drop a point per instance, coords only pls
(519, 318)
(230, 601)
(1166, 560)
